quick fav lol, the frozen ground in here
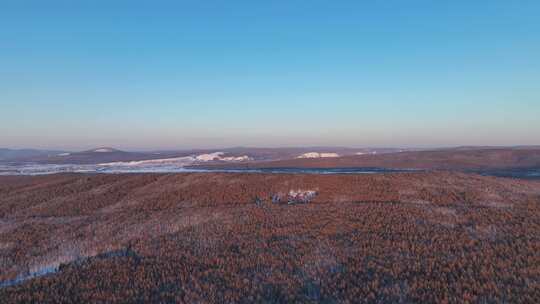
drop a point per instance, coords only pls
(178, 165)
(169, 166)
(164, 165)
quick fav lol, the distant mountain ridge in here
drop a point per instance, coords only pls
(11, 154)
(299, 157)
(108, 154)
(442, 159)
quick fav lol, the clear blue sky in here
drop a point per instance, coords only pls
(181, 74)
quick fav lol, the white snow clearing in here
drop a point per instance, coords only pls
(237, 159)
(365, 153)
(103, 150)
(209, 157)
(169, 163)
(317, 155)
(218, 156)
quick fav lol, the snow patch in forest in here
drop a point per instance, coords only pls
(103, 150)
(317, 155)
